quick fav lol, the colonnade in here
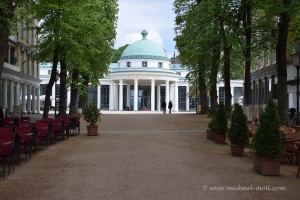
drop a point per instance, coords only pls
(171, 93)
(20, 94)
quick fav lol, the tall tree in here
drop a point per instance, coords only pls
(78, 40)
(118, 52)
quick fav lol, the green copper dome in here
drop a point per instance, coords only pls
(144, 49)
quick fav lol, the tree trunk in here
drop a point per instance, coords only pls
(247, 27)
(5, 16)
(83, 97)
(51, 81)
(213, 79)
(227, 63)
(281, 58)
(202, 89)
(63, 85)
(74, 92)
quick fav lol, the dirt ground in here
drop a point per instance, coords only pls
(145, 157)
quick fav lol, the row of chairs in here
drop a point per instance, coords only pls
(26, 138)
(13, 141)
(12, 121)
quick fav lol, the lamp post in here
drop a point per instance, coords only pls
(296, 63)
(56, 78)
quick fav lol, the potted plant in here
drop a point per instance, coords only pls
(210, 132)
(238, 131)
(92, 116)
(221, 124)
(267, 142)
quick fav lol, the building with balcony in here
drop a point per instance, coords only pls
(20, 83)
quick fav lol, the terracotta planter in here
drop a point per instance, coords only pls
(210, 135)
(220, 139)
(237, 150)
(267, 167)
(92, 130)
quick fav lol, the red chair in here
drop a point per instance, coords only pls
(8, 121)
(65, 119)
(25, 143)
(42, 132)
(5, 150)
(24, 119)
(58, 129)
(5, 130)
(74, 123)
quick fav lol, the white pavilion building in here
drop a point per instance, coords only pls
(144, 77)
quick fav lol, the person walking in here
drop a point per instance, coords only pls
(164, 105)
(170, 105)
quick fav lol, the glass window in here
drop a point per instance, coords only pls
(160, 64)
(28, 64)
(181, 97)
(238, 92)
(32, 36)
(105, 97)
(144, 64)
(221, 95)
(32, 67)
(22, 61)
(13, 59)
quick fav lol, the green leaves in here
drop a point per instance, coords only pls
(267, 140)
(238, 131)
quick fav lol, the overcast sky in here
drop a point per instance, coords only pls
(155, 16)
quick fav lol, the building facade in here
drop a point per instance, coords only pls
(264, 79)
(20, 83)
(143, 77)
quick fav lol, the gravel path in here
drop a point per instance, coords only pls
(145, 157)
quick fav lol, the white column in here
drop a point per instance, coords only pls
(28, 99)
(121, 95)
(187, 106)
(167, 92)
(5, 93)
(111, 96)
(12, 95)
(53, 96)
(116, 99)
(99, 96)
(218, 94)
(135, 106)
(172, 94)
(68, 98)
(34, 100)
(176, 96)
(128, 96)
(24, 91)
(17, 99)
(38, 103)
(158, 98)
(153, 95)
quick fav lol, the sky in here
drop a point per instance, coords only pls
(155, 16)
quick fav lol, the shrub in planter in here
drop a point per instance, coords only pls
(267, 142)
(211, 129)
(238, 131)
(221, 124)
(92, 116)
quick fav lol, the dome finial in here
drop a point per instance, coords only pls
(144, 34)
